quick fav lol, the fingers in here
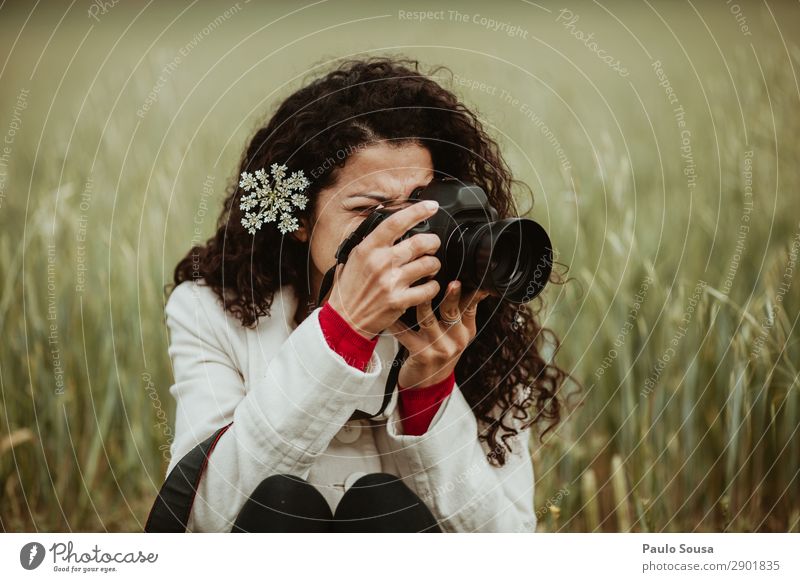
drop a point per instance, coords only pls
(450, 310)
(426, 318)
(469, 307)
(423, 243)
(422, 267)
(400, 222)
(421, 293)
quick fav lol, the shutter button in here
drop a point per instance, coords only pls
(349, 433)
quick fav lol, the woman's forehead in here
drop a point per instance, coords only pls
(390, 173)
(387, 169)
(394, 182)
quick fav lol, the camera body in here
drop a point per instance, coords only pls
(510, 258)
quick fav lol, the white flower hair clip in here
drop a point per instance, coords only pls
(272, 199)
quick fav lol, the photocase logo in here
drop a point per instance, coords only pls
(31, 555)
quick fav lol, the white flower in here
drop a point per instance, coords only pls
(272, 198)
(251, 223)
(247, 182)
(299, 200)
(247, 204)
(288, 223)
(278, 172)
(283, 205)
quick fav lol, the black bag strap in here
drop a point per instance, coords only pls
(170, 512)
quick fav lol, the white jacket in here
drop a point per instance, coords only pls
(290, 396)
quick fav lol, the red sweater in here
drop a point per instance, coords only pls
(417, 406)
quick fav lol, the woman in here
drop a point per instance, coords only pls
(252, 351)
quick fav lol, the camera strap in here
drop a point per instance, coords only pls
(400, 357)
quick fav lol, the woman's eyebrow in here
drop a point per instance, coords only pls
(373, 196)
(377, 196)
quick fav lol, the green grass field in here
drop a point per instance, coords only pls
(670, 192)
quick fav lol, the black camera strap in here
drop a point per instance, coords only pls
(342, 254)
(402, 352)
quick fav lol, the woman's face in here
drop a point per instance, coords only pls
(375, 174)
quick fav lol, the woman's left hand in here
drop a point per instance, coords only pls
(434, 350)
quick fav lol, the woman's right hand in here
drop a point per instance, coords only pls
(374, 287)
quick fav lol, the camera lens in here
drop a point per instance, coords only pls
(505, 258)
(511, 258)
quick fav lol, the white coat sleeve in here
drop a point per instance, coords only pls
(280, 424)
(448, 468)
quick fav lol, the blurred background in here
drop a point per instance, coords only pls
(659, 140)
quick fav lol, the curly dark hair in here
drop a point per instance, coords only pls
(318, 127)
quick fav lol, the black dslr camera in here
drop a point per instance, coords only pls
(510, 258)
